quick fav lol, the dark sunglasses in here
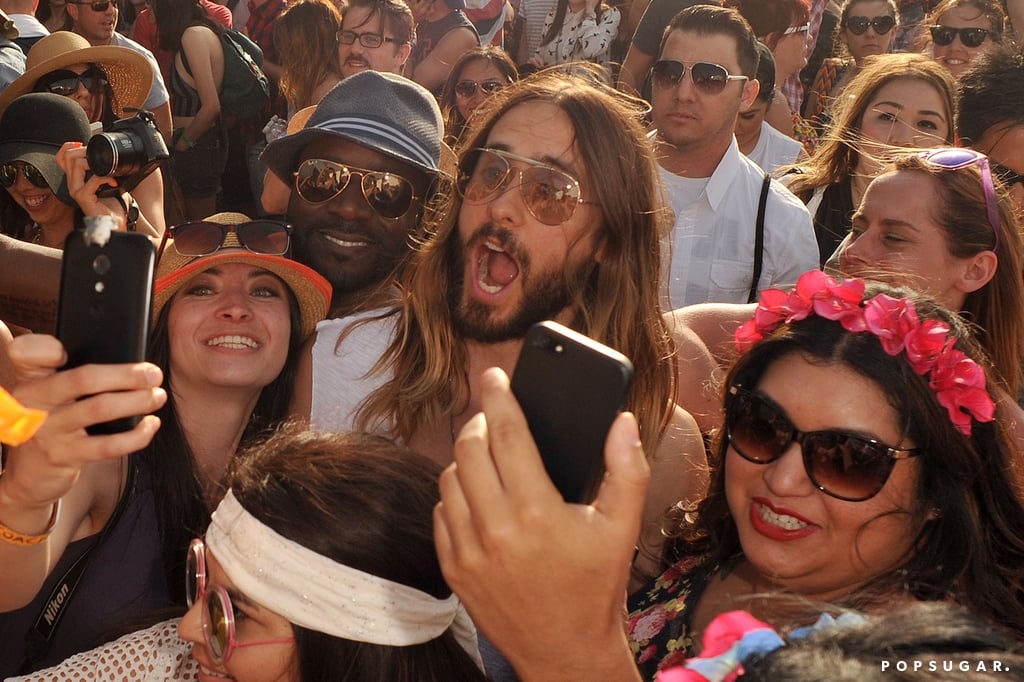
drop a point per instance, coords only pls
(65, 82)
(96, 5)
(844, 465)
(550, 195)
(709, 78)
(970, 37)
(370, 40)
(201, 238)
(390, 195)
(9, 175)
(1008, 176)
(219, 614)
(859, 25)
(955, 158)
(468, 88)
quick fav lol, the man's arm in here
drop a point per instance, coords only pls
(29, 284)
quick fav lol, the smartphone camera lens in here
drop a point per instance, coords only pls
(101, 264)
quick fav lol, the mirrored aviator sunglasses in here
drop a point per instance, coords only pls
(9, 175)
(317, 181)
(467, 88)
(709, 78)
(201, 238)
(549, 194)
(858, 26)
(843, 465)
(970, 37)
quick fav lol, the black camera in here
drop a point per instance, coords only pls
(129, 150)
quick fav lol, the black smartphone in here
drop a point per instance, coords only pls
(570, 388)
(106, 292)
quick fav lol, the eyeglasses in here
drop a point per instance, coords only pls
(970, 37)
(467, 89)
(218, 612)
(370, 40)
(1008, 176)
(550, 195)
(955, 158)
(797, 29)
(859, 25)
(201, 238)
(843, 465)
(710, 79)
(65, 82)
(9, 175)
(96, 5)
(318, 181)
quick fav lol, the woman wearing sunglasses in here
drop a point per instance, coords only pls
(477, 75)
(229, 314)
(865, 29)
(962, 29)
(859, 465)
(897, 100)
(109, 83)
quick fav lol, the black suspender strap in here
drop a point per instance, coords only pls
(759, 238)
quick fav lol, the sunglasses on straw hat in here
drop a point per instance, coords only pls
(204, 237)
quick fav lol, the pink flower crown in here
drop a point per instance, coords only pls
(957, 380)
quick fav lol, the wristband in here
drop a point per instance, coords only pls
(13, 537)
(188, 143)
(131, 211)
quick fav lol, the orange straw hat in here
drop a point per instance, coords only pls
(312, 291)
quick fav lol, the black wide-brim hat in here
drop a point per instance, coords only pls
(32, 130)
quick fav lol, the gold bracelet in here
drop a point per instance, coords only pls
(13, 537)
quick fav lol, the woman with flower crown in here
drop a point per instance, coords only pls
(861, 464)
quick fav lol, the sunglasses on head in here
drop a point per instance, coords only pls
(843, 465)
(66, 82)
(219, 613)
(709, 78)
(370, 40)
(468, 88)
(550, 195)
(201, 238)
(970, 37)
(802, 28)
(955, 158)
(9, 175)
(859, 25)
(318, 181)
(96, 5)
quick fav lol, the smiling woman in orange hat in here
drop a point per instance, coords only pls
(109, 83)
(230, 312)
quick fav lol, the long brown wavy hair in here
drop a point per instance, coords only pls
(617, 305)
(305, 35)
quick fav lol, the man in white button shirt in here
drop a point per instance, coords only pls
(703, 78)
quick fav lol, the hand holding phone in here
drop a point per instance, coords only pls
(570, 389)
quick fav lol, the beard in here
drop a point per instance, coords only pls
(545, 294)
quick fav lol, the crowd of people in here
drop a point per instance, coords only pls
(800, 220)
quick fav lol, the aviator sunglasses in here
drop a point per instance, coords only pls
(709, 78)
(955, 158)
(201, 238)
(550, 195)
(970, 37)
(859, 25)
(318, 181)
(65, 82)
(467, 88)
(9, 175)
(219, 614)
(96, 5)
(840, 464)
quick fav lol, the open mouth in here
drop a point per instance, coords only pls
(234, 342)
(346, 241)
(35, 202)
(781, 520)
(495, 268)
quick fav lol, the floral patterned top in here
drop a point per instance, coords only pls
(659, 616)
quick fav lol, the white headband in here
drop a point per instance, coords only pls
(319, 594)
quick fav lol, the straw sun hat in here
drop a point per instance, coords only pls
(129, 73)
(312, 291)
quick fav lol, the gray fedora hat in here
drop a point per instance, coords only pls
(33, 128)
(382, 111)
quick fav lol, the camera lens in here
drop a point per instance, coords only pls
(101, 153)
(101, 264)
(117, 154)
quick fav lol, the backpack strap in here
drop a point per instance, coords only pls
(759, 238)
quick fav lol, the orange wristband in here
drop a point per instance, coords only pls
(13, 537)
